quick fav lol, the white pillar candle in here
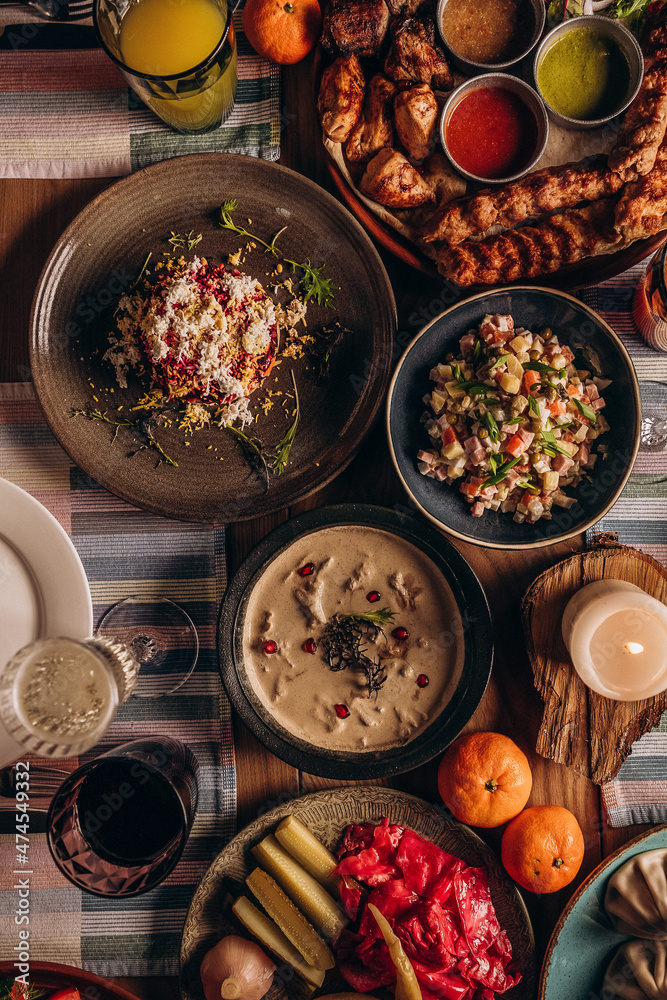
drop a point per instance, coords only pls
(616, 635)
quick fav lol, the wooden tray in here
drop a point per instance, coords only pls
(579, 727)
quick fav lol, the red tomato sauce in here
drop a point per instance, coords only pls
(491, 133)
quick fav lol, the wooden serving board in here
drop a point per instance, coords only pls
(579, 727)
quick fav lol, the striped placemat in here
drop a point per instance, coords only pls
(68, 112)
(639, 517)
(124, 550)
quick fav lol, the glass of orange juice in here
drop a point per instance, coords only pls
(179, 56)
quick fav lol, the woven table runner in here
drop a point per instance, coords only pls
(639, 792)
(68, 112)
(124, 551)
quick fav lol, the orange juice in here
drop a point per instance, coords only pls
(164, 37)
(162, 42)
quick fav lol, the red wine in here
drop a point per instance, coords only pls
(128, 811)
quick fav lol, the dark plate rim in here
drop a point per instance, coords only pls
(375, 385)
(472, 604)
(583, 525)
(588, 882)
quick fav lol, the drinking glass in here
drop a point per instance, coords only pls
(162, 638)
(118, 825)
(651, 462)
(194, 101)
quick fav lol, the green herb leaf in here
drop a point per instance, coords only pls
(489, 400)
(493, 462)
(456, 371)
(515, 420)
(253, 451)
(551, 446)
(381, 617)
(533, 406)
(313, 283)
(540, 368)
(284, 446)
(141, 272)
(501, 473)
(225, 221)
(185, 241)
(500, 360)
(477, 351)
(229, 206)
(586, 410)
(492, 426)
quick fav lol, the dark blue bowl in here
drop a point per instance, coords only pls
(585, 333)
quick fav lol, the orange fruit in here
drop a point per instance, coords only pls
(484, 779)
(543, 848)
(282, 30)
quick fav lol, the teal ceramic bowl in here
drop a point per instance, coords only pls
(583, 942)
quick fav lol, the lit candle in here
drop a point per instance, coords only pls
(616, 635)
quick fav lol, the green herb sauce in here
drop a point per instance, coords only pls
(584, 75)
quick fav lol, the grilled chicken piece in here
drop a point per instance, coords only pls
(341, 97)
(414, 57)
(391, 180)
(406, 8)
(645, 121)
(355, 26)
(643, 203)
(416, 119)
(375, 128)
(535, 194)
(532, 250)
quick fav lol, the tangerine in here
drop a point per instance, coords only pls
(542, 848)
(282, 30)
(484, 779)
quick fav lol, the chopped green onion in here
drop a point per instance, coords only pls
(533, 405)
(500, 360)
(586, 410)
(515, 420)
(477, 351)
(539, 367)
(492, 426)
(501, 473)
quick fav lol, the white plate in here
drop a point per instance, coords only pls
(43, 587)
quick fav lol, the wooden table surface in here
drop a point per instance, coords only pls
(34, 213)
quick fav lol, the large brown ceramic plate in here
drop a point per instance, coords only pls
(103, 250)
(327, 814)
(49, 976)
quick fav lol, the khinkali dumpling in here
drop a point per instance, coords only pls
(636, 897)
(638, 971)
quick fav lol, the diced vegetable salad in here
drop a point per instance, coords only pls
(513, 421)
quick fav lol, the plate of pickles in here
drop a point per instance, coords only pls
(273, 885)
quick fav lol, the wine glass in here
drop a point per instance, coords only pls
(117, 826)
(161, 636)
(651, 463)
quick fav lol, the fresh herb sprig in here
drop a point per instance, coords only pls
(312, 281)
(550, 445)
(382, 617)
(501, 473)
(225, 221)
(540, 368)
(284, 446)
(141, 272)
(11, 989)
(142, 426)
(253, 451)
(184, 241)
(344, 641)
(313, 284)
(500, 360)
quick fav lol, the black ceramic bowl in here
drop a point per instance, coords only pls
(477, 636)
(590, 338)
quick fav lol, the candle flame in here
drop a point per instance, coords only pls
(634, 647)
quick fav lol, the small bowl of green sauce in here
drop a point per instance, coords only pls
(587, 71)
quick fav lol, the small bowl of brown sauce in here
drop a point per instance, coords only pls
(494, 128)
(493, 34)
(587, 71)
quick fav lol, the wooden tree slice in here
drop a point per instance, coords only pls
(579, 727)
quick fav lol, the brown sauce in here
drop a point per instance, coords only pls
(332, 709)
(488, 31)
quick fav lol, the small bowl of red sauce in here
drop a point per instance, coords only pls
(494, 128)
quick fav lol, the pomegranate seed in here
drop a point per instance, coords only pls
(373, 596)
(307, 569)
(400, 633)
(310, 646)
(422, 681)
(270, 647)
(342, 711)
